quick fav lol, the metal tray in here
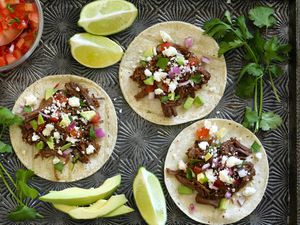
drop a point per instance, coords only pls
(143, 143)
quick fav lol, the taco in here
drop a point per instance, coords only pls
(171, 73)
(216, 171)
(69, 130)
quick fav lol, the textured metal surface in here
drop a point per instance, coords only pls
(140, 142)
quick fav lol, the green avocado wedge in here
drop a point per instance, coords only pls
(95, 211)
(79, 196)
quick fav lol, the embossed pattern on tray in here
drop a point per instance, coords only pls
(140, 142)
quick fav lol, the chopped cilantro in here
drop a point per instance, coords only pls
(255, 147)
(192, 162)
(164, 99)
(92, 133)
(190, 174)
(14, 20)
(27, 109)
(197, 78)
(162, 63)
(11, 9)
(143, 63)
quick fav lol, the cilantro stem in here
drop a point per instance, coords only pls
(7, 174)
(2, 130)
(255, 105)
(273, 87)
(251, 52)
(9, 189)
(261, 97)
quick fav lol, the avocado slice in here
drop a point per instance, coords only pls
(124, 209)
(49, 93)
(95, 211)
(80, 196)
(88, 115)
(68, 208)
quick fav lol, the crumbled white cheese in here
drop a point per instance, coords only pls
(181, 165)
(207, 124)
(59, 152)
(35, 137)
(48, 129)
(77, 89)
(158, 75)
(258, 155)
(148, 59)
(171, 51)
(56, 135)
(30, 100)
(173, 85)
(203, 145)
(248, 191)
(74, 101)
(210, 175)
(71, 139)
(90, 149)
(223, 175)
(154, 51)
(165, 36)
(158, 91)
(242, 173)
(233, 161)
(46, 111)
(147, 72)
(224, 159)
(55, 160)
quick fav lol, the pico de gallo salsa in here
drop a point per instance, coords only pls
(19, 22)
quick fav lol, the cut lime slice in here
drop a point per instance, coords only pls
(149, 197)
(105, 17)
(95, 51)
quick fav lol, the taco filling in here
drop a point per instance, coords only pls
(171, 73)
(216, 169)
(64, 126)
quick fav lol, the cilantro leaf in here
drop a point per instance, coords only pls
(24, 213)
(162, 62)
(228, 17)
(216, 28)
(190, 174)
(227, 46)
(196, 78)
(7, 118)
(245, 87)
(275, 70)
(5, 148)
(252, 69)
(243, 29)
(27, 109)
(262, 16)
(59, 166)
(164, 99)
(250, 118)
(24, 191)
(270, 121)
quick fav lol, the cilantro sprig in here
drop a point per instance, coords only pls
(262, 60)
(20, 184)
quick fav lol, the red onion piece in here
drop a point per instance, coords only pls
(205, 166)
(227, 195)
(99, 132)
(151, 95)
(45, 115)
(191, 207)
(71, 126)
(188, 42)
(214, 187)
(174, 70)
(230, 172)
(11, 48)
(184, 83)
(67, 152)
(205, 59)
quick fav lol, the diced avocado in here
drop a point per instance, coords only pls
(50, 92)
(148, 53)
(255, 147)
(94, 211)
(66, 146)
(198, 102)
(201, 178)
(34, 124)
(207, 156)
(59, 166)
(223, 205)
(65, 121)
(184, 190)
(88, 115)
(171, 96)
(40, 145)
(50, 143)
(188, 103)
(40, 119)
(180, 60)
(149, 81)
(80, 196)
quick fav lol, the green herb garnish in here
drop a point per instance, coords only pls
(162, 63)
(197, 78)
(27, 109)
(261, 59)
(11, 9)
(14, 20)
(164, 99)
(190, 174)
(92, 133)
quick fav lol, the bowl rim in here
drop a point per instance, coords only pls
(36, 41)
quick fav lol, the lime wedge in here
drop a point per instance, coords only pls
(95, 51)
(105, 17)
(149, 197)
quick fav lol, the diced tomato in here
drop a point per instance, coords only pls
(218, 183)
(149, 88)
(5, 12)
(29, 7)
(194, 61)
(2, 4)
(165, 45)
(10, 58)
(2, 61)
(96, 119)
(20, 42)
(41, 127)
(202, 133)
(61, 98)
(197, 169)
(12, 2)
(165, 87)
(17, 54)
(34, 17)
(54, 119)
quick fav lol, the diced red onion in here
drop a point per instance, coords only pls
(45, 115)
(214, 187)
(241, 200)
(242, 173)
(230, 172)
(99, 132)
(191, 207)
(71, 126)
(184, 83)
(205, 59)
(228, 195)
(174, 70)
(67, 152)
(205, 166)
(11, 48)
(188, 42)
(151, 95)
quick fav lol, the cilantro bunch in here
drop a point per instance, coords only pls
(262, 59)
(22, 190)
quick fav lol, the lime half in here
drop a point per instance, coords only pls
(105, 17)
(149, 197)
(95, 51)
